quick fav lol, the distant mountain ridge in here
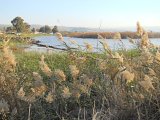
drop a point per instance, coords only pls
(86, 29)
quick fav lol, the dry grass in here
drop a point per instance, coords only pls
(110, 35)
(115, 86)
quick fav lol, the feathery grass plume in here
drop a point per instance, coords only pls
(139, 29)
(83, 88)
(102, 64)
(105, 46)
(145, 43)
(6, 40)
(59, 36)
(2, 80)
(146, 57)
(147, 83)
(31, 98)
(157, 57)
(4, 107)
(141, 96)
(60, 74)
(44, 67)
(8, 56)
(39, 90)
(118, 57)
(131, 40)
(39, 87)
(76, 94)
(36, 76)
(49, 98)
(128, 76)
(80, 60)
(21, 93)
(86, 80)
(89, 47)
(151, 72)
(66, 92)
(73, 42)
(74, 71)
(117, 36)
(72, 56)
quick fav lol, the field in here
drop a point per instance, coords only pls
(76, 85)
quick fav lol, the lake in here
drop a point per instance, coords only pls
(114, 44)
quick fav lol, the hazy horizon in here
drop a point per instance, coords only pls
(84, 13)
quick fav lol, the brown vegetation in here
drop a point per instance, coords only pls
(110, 35)
(112, 85)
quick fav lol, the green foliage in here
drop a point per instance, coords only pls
(33, 30)
(55, 29)
(19, 24)
(10, 29)
(45, 29)
(26, 27)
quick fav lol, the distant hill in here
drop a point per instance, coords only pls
(85, 29)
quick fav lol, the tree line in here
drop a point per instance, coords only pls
(20, 26)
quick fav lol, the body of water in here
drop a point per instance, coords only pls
(113, 44)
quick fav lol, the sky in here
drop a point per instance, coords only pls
(82, 13)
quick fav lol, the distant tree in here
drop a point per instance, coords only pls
(42, 29)
(45, 29)
(8, 29)
(55, 29)
(26, 27)
(33, 30)
(20, 25)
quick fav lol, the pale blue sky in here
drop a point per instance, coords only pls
(82, 13)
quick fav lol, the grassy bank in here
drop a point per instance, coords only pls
(31, 35)
(107, 91)
(18, 42)
(35, 35)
